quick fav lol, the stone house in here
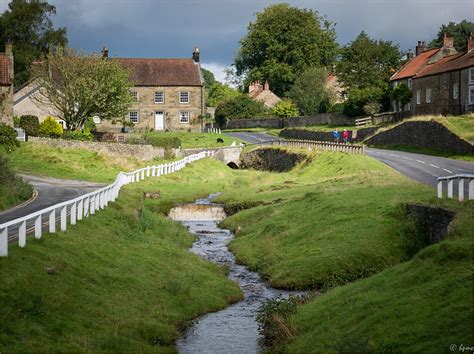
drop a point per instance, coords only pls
(262, 93)
(441, 79)
(6, 85)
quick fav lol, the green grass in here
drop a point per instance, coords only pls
(13, 189)
(125, 282)
(198, 140)
(424, 305)
(79, 164)
(460, 125)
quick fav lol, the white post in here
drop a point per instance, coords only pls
(4, 242)
(80, 209)
(143, 175)
(148, 171)
(450, 187)
(38, 227)
(52, 221)
(471, 189)
(22, 234)
(92, 204)
(97, 201)
(73, 213)
(440, 189)
(87, 207)
(153, 171)
(63, 218)
(461, 189)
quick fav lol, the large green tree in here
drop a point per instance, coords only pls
(80, 86)
(208, 77)
(459, 31)
(27, 24)
(218, 93)
(282, 42)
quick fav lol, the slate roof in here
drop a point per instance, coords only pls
(4, 70)
(162, 72)
(416, 64)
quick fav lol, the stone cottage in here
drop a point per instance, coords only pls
(6, 85)
(441, 79)
(262, 93)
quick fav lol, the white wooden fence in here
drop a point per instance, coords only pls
(461, 179)
(213, 130)
(20, 134)
(363, 121)
(319, 145)
(76, 209)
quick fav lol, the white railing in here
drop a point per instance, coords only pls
(461, 179)
(319, 145)
(363, 121)
(20, 134)
(213, 130)
(85, 205)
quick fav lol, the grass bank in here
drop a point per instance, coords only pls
(196, 140)
(13, 189)
(68, 163)
(124, 282)
(423, 305)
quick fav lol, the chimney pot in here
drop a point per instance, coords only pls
(196, 56)
(267, 85)
(470, 43)
(105, 53)
(420, 48)
(448, 42)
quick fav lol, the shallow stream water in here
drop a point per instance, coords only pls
(234, 329)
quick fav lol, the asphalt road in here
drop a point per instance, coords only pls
(422, 168)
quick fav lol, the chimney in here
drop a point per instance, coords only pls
(470, 43)
(9, 55)
(196, 55)
(420, 48)
(105, 53)
(266, 86)
(448, 42)
(409, 54)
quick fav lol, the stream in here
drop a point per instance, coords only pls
(234, 329)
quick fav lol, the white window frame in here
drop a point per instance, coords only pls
(456, 91)
(470, 92)
(394, 106)
(410, 83)
(418, 96)
(184, 94)
(409, 106)
(134, 96)
(162, 95)
(471, 76)
(182, 114)
(428, 95)
(130, 117)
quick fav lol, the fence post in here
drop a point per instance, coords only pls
(153, 171)
(63, 218)
(143, 175)
(52, 221)
(92, 204)
(73, 213)
(148, 171)
(87, 205)
(450, 187)
(22, 234)
(4, 242)
(461, 189)
(38, 229)
(471, 189)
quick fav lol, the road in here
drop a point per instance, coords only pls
(422, 168)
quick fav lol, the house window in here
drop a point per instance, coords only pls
(409, 106)
(410, 83)
(184, 117)
(133, 116)
(394, 106)
(455, 91)
(471, 95)
(471, 76)
(134, 96)
(418, 96)
(159, 97)
(184, 97)
(428, 95)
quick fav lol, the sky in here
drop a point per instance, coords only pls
(172, 28)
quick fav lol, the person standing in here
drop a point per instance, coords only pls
(336, 135)
(345, 136)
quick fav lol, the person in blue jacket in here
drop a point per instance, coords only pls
(336, 135)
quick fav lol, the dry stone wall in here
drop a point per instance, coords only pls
(278, 123)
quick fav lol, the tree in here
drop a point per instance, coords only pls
(285, 108)
(359, 97)
(28, 26)
(282, 42)
(372, 108)
(367, 63)
(82, 86)
(459, 31)
(50, 128)
(402, 94)
(209, 78)
(309, 91)
(218, 93)
(238, 107)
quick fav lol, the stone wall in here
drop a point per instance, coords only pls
(278, 123)
(303, 134)
(6, 105)
(141, 152)
(424, 134)
(269, 159)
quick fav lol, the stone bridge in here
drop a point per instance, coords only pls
(230, 155)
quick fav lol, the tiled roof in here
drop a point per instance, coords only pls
(4, 70)
(452, 62)
(162, 72)
(414, 65)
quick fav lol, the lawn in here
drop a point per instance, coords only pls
(124, 281)
(13, 189)
(197, 140)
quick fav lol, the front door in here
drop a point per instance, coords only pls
(159, 120)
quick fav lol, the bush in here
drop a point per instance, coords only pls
(90, 125)
(371, 108)
(83, 135)
(358, 98)
(50, 128)
(8, 138)
(16, 121)
(30, 124)
(241, 107)
(336, 108)
(285, 108)
(166, 142)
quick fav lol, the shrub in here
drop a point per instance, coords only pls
(241, 107)
(16, 121)
(371, 108)
(166, 142)
(90, 125)
(8, 138)
(358, 98)
(13, 189)
(50, 128)
(30, 124)
(336, 108)
(83, 135)
(285, 108)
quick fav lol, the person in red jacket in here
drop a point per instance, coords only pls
(345, 136)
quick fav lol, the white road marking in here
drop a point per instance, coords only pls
(434, 165)
(447, 170)
(407, 158)
(423, 162)
(394, 155)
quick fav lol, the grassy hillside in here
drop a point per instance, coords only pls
(13, 189)
(124, 282)
(197, 140)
